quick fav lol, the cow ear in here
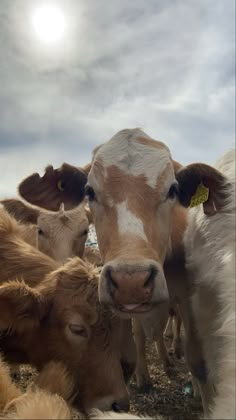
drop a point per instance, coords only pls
(21, 211)
(21, 307)
(65, 184)
(202, 184)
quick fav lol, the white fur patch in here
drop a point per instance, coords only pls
(134, 158)
(128, 222)
(210, 259)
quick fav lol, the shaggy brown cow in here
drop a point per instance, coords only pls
(62, 320)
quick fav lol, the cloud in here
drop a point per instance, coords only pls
(165, 66)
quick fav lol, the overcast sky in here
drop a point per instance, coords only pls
(167, 66)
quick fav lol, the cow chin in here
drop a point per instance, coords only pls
(133, 289)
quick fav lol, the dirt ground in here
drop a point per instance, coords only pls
(169, 396)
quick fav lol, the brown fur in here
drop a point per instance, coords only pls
(17, 258)
(8, 390)
(35, 403)
(39, 320)
(93, 256)
(21, 211)
(56, 186)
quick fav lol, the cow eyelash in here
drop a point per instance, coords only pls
(89, 192)
(173, 191)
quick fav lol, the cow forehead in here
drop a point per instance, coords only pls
(134, 153)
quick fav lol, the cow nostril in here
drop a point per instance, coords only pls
(121, 406)
(150, 280)
(115, 407)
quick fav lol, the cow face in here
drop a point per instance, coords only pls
(63, 234)
(132, 190)
(62, 321)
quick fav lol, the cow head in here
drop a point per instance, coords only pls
(61, 320)
(132, 188)
(63, 234)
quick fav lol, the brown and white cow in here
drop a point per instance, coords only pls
(132, 188)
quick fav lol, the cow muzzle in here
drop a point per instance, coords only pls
(133, 288)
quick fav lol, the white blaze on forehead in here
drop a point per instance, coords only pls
(128, 222)
(134, 158)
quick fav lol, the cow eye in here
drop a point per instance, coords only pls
(40, 231)
(79, 330)
(85, 232)
(61, 185)
(89, 192)
(173, 191)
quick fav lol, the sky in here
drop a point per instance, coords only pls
(167, 66)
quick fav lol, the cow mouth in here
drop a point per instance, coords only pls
(134, 307)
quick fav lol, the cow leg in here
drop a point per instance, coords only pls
(128, 349)
(142, 376)
(176, 346)
(168, 333)
(196, 390)
(195, 357)
(162, 351)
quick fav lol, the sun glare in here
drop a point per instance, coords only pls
(49, 23)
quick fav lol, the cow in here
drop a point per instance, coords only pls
(210, 259)
(60, 319)
(60, 234)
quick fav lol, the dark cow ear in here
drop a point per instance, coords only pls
(65, 184)
(21, 307)
(21, 211)
(202, 184)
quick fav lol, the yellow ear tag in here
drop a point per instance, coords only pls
(200, 196)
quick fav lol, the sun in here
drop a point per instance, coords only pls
(49, 23)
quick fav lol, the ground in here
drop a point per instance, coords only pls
(170, 396)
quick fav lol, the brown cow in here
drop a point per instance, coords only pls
(61, 320)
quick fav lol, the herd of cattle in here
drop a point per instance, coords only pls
(166, 237)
